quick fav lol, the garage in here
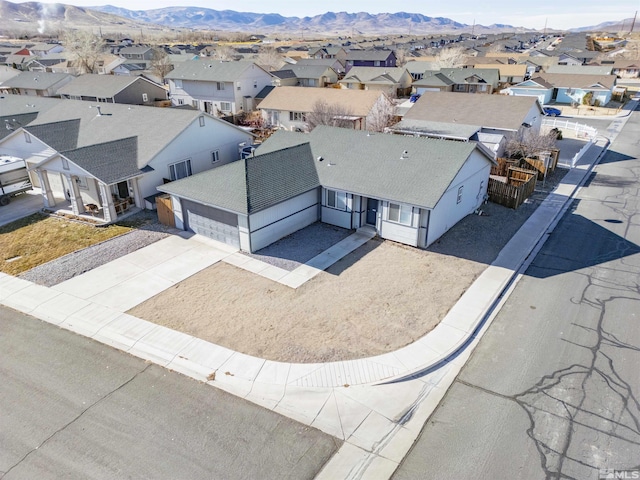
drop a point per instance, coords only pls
(211, 222)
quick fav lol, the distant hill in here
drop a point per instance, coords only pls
(611, 27)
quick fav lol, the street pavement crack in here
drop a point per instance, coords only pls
(71, 422)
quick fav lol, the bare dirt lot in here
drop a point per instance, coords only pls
(377, 299)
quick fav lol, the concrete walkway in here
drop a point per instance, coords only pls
(378, 405)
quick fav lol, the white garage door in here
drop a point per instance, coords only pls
(212, 223)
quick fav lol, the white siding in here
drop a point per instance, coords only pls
(473, 178)
(274, 223)
(195, 143)
(407, 234)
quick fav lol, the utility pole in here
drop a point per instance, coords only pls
(634, 22)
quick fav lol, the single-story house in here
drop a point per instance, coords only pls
(487, 119)
(509, 73)
(565, 88)
(333, 63)
(312, 75)
(461, 80)
(35, 84)
(394, 81)
(113, 89)
(111, 156)
(370, 58)
(288, 107)
(410, 190)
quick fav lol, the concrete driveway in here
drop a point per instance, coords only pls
(21, 206)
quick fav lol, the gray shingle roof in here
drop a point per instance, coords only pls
(210, 70)
(368, 55)
(383, 75)
(36, 80)
(371, 165)
(104, 86)
(250, 185)
(61, 136)
(506, 112)
(110, 162)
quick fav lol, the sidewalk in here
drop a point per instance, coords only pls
(350, 399)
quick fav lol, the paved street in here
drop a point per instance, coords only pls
(553, 389)
(74, 408)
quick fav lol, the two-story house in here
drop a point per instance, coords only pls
(217, 87)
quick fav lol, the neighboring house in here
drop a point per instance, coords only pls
(42, 49)
(332, 51)
(333, 63)
(107, 63)
(39, 84)
(113, 89)
(460, 80)
(487, 119)
(623, 68)
(217, 87)
(565, 88)
(7, 73)
(580, 69)
(113, 156)
(137, 53)
(129, 69)
(410, 190)
(288, 107)
(370, 58)
(311, 75)
(509, 72)
(393, 81)
(284, 78)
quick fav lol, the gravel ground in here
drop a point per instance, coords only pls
(301, 246)
(147, 231)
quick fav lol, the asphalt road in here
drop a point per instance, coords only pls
(75, 409)
(553, 388)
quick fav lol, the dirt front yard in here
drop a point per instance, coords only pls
(377, 299)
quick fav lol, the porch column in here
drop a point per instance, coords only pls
(108, 208)
(137, 197)
(76, 200)
(45, 186)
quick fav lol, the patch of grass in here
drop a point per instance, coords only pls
(38, 239)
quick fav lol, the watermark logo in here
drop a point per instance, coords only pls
(613, 474)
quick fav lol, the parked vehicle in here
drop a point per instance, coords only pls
(14, 178)
(552, 112)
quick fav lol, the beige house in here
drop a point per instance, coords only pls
(393, 81)
(287, 107)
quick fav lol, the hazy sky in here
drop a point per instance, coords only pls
(556, 13)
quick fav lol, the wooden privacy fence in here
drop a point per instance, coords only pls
(519, 185)
(165, 210)
(530, 163)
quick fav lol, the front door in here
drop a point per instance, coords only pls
(372, 210)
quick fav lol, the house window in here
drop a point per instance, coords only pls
(296, 116)
(201, 120)
(460, 194)
(376, 63)
(215, 156)
(460, 88)
(337, 200)
(400, 213)
(180, 101)
(178, 83)
(27, 137)
(180, 170)
(220, 85)
(65, 163)
(225, 106)
(145, 97)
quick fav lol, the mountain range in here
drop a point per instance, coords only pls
(57, 16)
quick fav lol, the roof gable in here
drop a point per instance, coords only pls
(109, 162)
(61, 136)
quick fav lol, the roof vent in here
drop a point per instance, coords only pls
(320, 159)
(404, 155)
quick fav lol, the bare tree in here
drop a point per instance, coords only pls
(85, 47)
(225, 52)
(270, 59)
(527, 143)
(382, 115)
(450, 57)
(402, 56)
(160, 63)
(333, 115)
